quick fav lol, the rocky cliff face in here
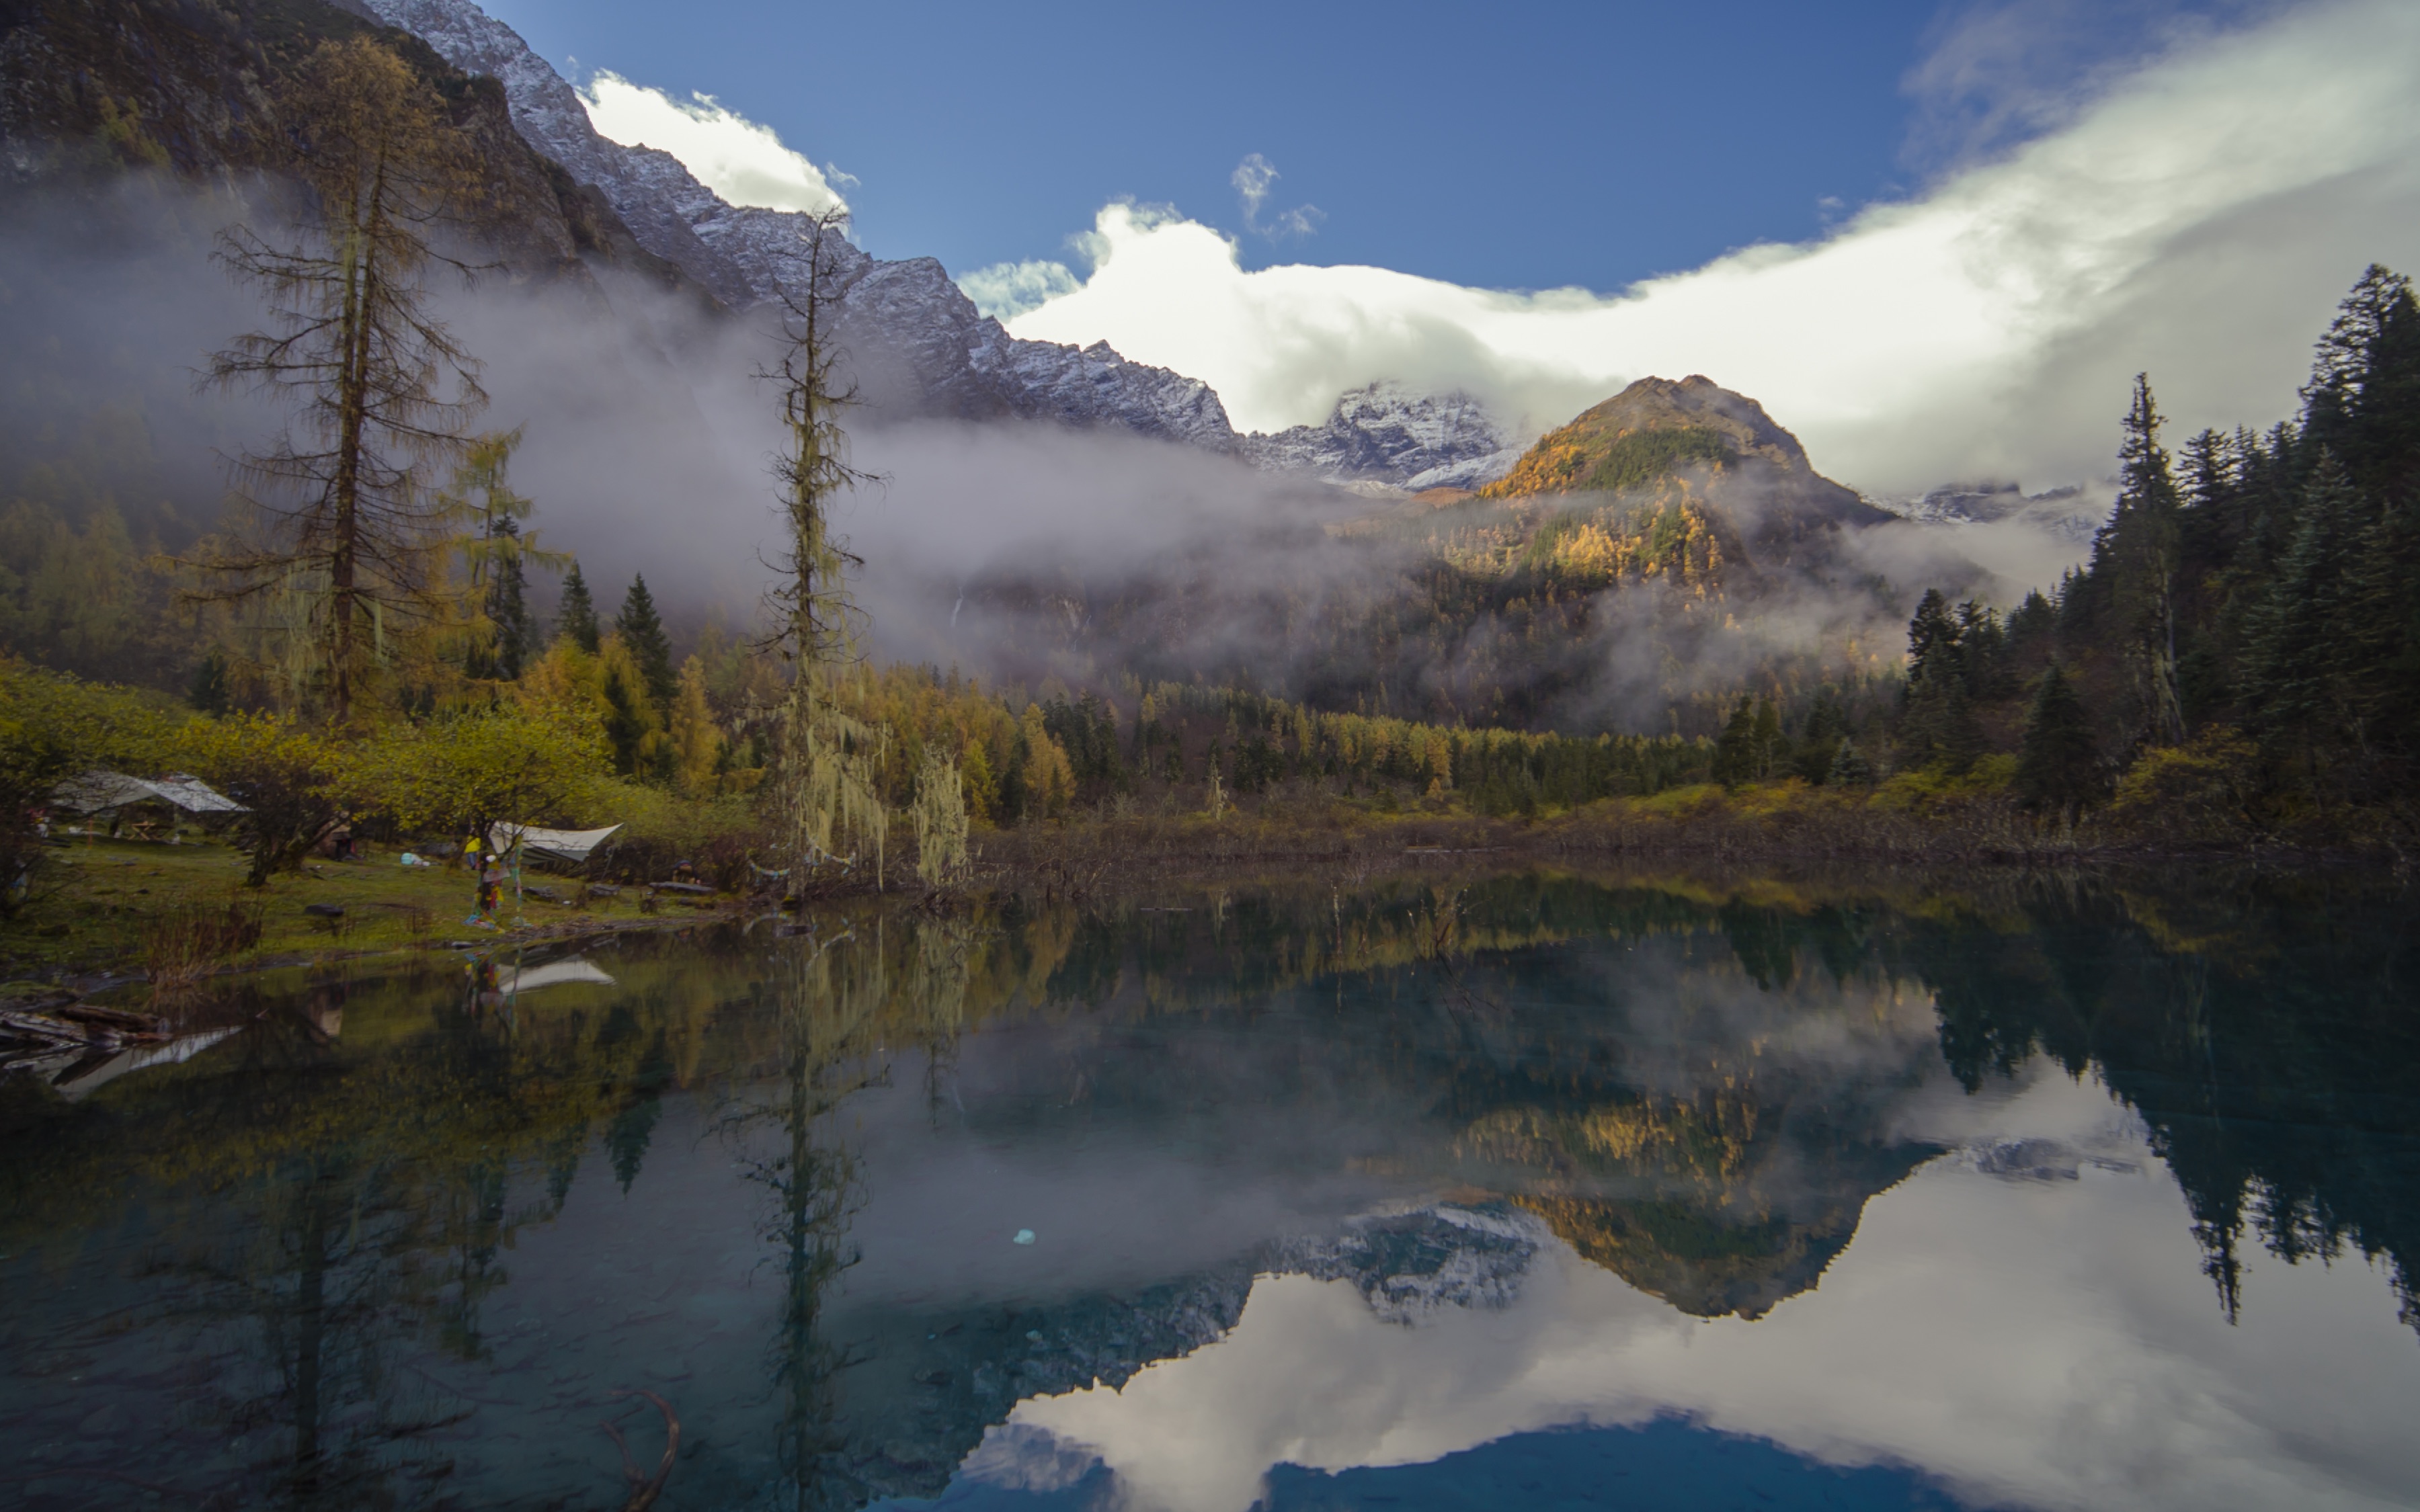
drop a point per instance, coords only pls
(922, 345)
(88, 91)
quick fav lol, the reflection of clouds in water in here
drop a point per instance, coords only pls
(2045, 1342)
(1021, 1457)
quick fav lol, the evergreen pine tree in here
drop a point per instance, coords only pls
(1932, 628)
(642, 631)
(2379, 639)
(578, 619)
(498, 552)
(508, 611)
(1982, 645)
(209, 693)
(507, 605)
(634, 726)
(1850, 769)
(2032, 635)
(1818, 744)
(1735, 748)
(1765, 744)
(2293, 676)
(2134, 565)
(2058, 766)
(2207, 528)
(2362, 402)
(1936, 717)
(1938, 727)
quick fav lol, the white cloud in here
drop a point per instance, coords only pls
(1252, 177)
(2091, 1368)
(1007, 290)
(736, 158)
(2199, 218)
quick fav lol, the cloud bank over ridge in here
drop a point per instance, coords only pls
(743, 161)
(2199, 218)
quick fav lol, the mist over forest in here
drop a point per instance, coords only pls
(652, 512)
(1014, 550)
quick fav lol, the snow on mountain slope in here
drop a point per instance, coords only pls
(1388, 434)
(932, 351)
(2071, 514)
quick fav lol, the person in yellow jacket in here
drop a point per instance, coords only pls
(489, 885)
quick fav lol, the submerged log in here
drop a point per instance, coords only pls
(133, 1026)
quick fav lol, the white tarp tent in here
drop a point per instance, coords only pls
(572, 847)
(100, 792)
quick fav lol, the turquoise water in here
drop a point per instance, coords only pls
(1535, 1192)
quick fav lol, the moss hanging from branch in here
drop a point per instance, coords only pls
(829, 804)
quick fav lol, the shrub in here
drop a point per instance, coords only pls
(2207, 788)
(184, 944)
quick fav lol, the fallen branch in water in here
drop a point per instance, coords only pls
(645, 1490)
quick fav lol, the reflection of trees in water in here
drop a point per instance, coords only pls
(340, 1259)
(2269, 1036)
(843, 1005)
(342, 1206)
(330, 1217)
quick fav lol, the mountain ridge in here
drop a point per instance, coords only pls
(922, 345)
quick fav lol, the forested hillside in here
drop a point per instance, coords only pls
(1636, 571)
(2242, 649)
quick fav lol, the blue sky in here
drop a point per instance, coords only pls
(1936, 241)
(1506, 145)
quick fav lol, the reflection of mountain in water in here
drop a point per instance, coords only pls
(1411, 1266)
(1699, 1098)
(1750, 1191)
(1631, 1091)
(1696, 1092)
(933, 1383)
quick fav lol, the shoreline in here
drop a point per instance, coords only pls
(93, 928)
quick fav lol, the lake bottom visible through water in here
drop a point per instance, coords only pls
(1527, 1191)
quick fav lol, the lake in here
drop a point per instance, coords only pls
(1535, 1191)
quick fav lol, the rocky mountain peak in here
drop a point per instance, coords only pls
(1392, 435)
(1697, 401)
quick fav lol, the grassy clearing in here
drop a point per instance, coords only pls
(181, 911)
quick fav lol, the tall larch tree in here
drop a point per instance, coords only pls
(829, 761)
(346, 545)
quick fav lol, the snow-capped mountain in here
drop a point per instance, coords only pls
(1391, 434)
(2073, 513)
(925, 345)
